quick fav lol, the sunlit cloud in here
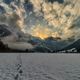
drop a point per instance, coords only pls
(60, 16)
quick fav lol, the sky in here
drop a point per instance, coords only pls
(50, 18)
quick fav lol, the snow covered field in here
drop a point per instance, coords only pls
(33, 66)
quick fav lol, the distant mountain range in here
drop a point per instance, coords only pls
(32, 44)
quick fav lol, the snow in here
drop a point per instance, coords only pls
(36, 66)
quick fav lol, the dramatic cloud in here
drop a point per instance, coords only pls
(14, 15)
(61, 17)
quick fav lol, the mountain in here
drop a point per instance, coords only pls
(74, 46)
(3, 31)
(12, 40)
(15, 39)
(5, 49)
(50, 44)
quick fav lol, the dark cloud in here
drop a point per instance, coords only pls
(28, 6)
(8, 1)
(2, 10)
(60, 1)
